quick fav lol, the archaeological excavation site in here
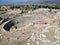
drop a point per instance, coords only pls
(39, 27)
(30, 22)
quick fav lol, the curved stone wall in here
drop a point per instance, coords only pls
(18, 19)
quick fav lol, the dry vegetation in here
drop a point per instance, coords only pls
(42, 20)
(20, 9)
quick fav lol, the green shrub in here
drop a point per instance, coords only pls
(2, 12)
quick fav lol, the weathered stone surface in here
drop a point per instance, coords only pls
(39, 27)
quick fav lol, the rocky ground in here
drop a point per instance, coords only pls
(39, 27)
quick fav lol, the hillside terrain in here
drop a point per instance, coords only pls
(25, 2)
(38, 27)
